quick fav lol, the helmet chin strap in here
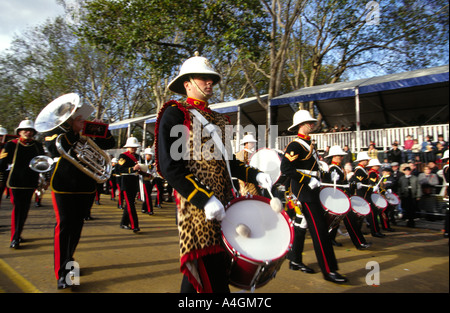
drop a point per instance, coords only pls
(198, 88)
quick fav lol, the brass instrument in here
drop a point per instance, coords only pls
(90, 158)
(41, 163)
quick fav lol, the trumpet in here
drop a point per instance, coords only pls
(90, 158)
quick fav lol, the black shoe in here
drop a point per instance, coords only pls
(135, 230)
(300, 267)
(335, 243)
(379, 235)
(15, 244)
(363, 246)
(125, 226)
(62, 284)
(335, 277)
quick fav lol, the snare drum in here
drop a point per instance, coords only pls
(360, 206)
(256, 258)
(336, 204)
(392, 198)
(379, 201)
(267, 161)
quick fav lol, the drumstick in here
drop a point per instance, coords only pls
(275, 203)
(335, 185)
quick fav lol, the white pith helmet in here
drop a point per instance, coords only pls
(132, 142)
(301, 116)
(194, 65)
(445, 156)
(25, 124)
(335, 150)
(362, 156)
(248, 138)
(374, 162)
(148, 151)
(3, 131)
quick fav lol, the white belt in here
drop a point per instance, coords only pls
(307, 172)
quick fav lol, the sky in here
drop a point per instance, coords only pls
(18, 15)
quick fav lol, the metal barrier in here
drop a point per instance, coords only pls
(383, 138)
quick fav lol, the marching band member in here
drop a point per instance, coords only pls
(301, 164)
(374, 180)
(361, 176)
(73, 191)
(351, 221)
(147, 206)
(387, 216)
(200, 177)
(129, 170)
(249, 142)
(22, 181)
(112, 181)
(445, 173)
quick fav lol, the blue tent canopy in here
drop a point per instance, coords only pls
(403, 99)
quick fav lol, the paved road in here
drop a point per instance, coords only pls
(113, 260)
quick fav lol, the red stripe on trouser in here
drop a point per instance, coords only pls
(353, 230)
(129, 210)
(327, 268)
(57, 233)
(120, 194)
(13, 216)
(111, 188)
(147, 198)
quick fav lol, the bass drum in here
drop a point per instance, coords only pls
(379, 201)
(392, 198)
(360, 206)
(336, 204)
(258, 255)
(268, 161)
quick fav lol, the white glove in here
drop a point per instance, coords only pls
(214, 209)
(389, 191)
(314, 183)
(264, 180)
(334, 176)
(376, 188)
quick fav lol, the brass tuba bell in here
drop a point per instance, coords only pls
(90, 158)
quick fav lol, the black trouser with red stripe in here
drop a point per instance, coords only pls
(353, 224)
(372, 218)
(147, 205)
(70, 211)
(130, 188)
(21, 201)
(318, 229)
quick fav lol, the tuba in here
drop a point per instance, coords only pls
(90, 158)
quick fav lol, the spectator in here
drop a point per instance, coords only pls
(394, 154)
(428, 149)
(416, 148)
(439, 152)
(442, 141)
(372, 151)
(414, 169)
(408, 146)
(409, 192)
(348, 158)
(348, 169)
(396, 174)
(428, 180)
